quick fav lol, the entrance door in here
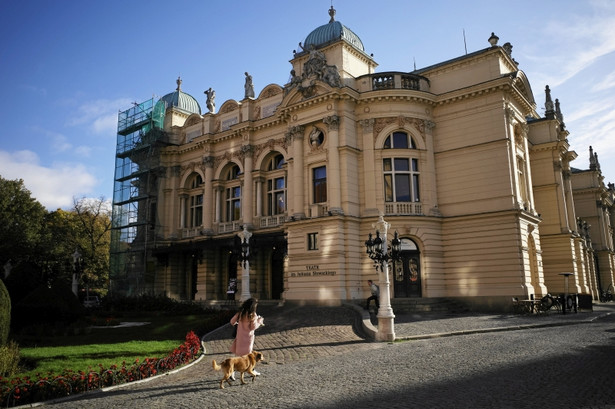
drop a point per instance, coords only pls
(407, 271)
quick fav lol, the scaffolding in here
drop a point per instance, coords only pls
(137, 162)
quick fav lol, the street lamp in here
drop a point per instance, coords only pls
(378, 252)
(244, 256)
(76, 271)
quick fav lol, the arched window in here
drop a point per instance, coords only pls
(276, 186)
(233, 194)
(401, 170)
(399, 140)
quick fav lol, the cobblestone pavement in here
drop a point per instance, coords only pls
(317, 357)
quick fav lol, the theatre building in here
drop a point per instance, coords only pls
(278, 190)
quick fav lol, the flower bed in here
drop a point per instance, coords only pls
(22, 391)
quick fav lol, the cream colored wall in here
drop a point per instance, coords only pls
(473, 235)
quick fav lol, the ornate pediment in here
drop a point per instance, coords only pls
(314, 69)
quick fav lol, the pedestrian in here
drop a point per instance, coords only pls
(375, 290)
(247, 321)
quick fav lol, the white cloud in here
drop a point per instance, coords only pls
(99, 116)
(54, 187)
(580, 42)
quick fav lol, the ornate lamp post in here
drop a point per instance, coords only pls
(378, 252)
(244, 256)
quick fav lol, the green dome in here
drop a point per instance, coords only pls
(330, 33)
(181, 100)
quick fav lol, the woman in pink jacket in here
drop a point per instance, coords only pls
(247, 321)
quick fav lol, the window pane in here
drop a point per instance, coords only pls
(320, 173)
(320, 184)
(388, 188)
(402, 164)
(280, 205)
(400, 140)
(236, 210)
(387, 143)
(386, 164)
(415, 165)
(279, 183)
(402, 188)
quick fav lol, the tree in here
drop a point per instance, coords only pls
(93, 219)
(21, 221)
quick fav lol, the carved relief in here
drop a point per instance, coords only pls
(295, 132)
(367, 124)
(314, 69)
(230, 107)
(208, 161)
(333, 122)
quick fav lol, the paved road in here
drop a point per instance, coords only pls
(318, 359)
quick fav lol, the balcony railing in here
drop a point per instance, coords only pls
(403, 208)
(191, 232)
(272, 221)
(397, 80)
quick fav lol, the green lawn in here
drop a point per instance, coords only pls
(109, 346)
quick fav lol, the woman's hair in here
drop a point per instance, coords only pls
(248, 309)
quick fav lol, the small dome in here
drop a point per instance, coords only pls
(181, 100)
(331, 32)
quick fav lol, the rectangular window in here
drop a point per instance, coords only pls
(233, 204)
(195, 211)
(320, 184)
(401, 180)
(276, 195)
(312, 241)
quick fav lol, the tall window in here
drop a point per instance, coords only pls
(194, 214)
(401, 172)
(233, 195)
(196, 211)
(276, 186)
(319, 178)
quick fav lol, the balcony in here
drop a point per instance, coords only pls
(393, 80)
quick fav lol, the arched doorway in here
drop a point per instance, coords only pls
(407, 271)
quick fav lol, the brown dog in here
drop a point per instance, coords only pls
(242, 364)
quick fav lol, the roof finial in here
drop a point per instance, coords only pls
(179, 83)
(332, 13)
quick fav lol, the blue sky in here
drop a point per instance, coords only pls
(68, 67)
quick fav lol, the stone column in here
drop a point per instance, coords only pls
(369, 164)
(295, 133)
(208, 195)
(182, 210)
(333, 169)
(259, 196)
(429, 177)
(247, 207)
(217, 199)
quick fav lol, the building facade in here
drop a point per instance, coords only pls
(477, 184)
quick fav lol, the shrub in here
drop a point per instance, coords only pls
(48, 306)
(5, 314)
(26, 391)
(9, 359)
(151, 303)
